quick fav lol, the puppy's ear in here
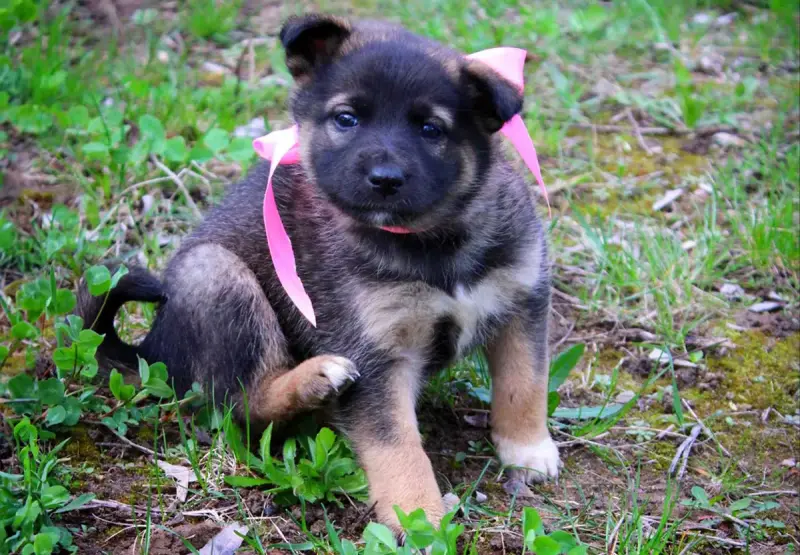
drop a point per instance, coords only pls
(493, 98)
(311, 41)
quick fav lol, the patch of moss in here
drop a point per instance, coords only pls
(81, 447)
(761, 372)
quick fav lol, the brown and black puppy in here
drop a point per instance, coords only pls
(395, 130)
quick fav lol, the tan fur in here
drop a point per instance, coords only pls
(399, 472)
(280, 396)
(519, 387)
(402, 316)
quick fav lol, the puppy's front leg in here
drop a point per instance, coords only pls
(518, 362)
(380, 419)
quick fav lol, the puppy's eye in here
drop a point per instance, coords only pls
(346, 120)
(431, 130)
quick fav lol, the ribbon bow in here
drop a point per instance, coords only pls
(281, 147)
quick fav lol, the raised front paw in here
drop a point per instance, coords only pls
(534, 461)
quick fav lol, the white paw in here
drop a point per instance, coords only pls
(536, 462)
(340, 371)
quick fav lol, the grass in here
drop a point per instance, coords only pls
(117, 130)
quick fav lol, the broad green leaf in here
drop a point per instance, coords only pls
(121, 272)
(531, 521)
(553, 400)
(246, 481)
(216, 139)
(78, 116)
(200, 154)
(55, 415)
(151, 127)
(240, 149)
(77, 502)
(95, 150)
(116, 383)
(24, 330)
(565, 539)
(54, 496)
(700, 495)
(159, 388)
(381, 534)
(563, 364)
(51, 391)
(587, 413)
(73, 408)
(98, 280)
(65, 357)
(21, 386)
(43, 544)
(175, 149)
(63, 303)
(739, 505)
(545, 545)
(578, 550)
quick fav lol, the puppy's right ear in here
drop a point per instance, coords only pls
(311, 41)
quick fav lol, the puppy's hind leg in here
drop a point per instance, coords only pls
(218, 328)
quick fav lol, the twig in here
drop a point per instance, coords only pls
(637, 131)
(682, 454)
(179, 183)
(116, 505)
(706, 429)
(566, 336)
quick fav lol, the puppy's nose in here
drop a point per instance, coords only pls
(385, 179)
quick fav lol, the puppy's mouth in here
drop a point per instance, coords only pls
(395, 221)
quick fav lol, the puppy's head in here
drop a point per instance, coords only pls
(394, 129)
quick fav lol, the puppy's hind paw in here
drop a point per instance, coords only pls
(533, 462)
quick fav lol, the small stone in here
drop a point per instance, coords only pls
(657, 355)
(256, 127)
(710, 64)
(725, 20)
(481, 497)
(727, 140)
(688, 245)
(773, 296)
(450, 501)
(212, 67)
(729, 396)
(701, 18)
(162, 56)
(791, 463)
(732, 291)
(766, 306)
(624, 396)
(147, 203)
(667, 199)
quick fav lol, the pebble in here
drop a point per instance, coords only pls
(624, 396)
(256, 127)
(667, 199)
(450, 501)
(732, 291)
(766, 306)
(481, 497)
(727, 140)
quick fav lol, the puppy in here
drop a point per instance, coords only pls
(397, 133)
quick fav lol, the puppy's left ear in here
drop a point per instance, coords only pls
(311, 41)
(495, 99)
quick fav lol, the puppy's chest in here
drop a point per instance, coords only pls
(417, 320)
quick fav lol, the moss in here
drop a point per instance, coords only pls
(760, 372)
(81, 447)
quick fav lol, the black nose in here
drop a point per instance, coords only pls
(386, 179)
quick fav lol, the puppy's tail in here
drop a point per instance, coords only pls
(98, 313)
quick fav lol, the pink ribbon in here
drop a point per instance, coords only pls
(281, 147)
